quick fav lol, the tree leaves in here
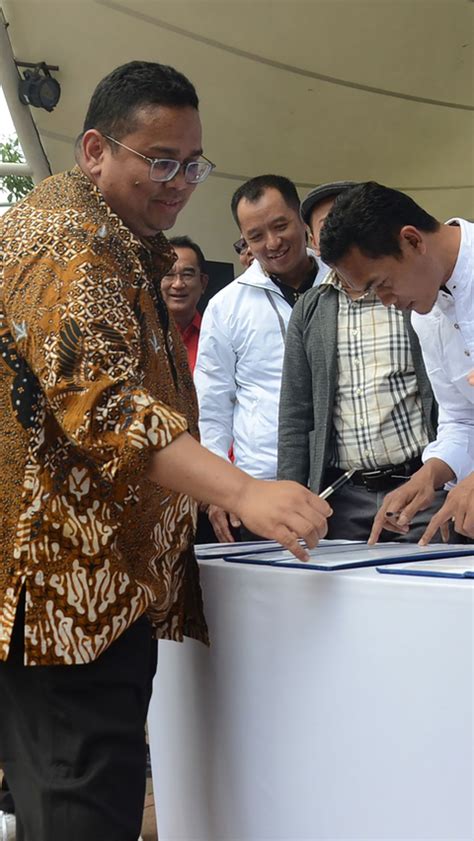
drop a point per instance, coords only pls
(16, 186)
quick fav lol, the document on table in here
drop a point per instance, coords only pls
(448, 568)
(255, 547)
(351, 556)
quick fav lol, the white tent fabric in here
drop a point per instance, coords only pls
(317, 90)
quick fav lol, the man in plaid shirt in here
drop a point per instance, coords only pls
(355, 394)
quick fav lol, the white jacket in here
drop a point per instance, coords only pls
(238, 370)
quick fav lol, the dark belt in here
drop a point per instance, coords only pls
(382, 479)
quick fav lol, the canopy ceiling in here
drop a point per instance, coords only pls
(317, 90)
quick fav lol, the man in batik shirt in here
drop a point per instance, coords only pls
(99, 465)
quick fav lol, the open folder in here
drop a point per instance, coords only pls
(351, 556)
(454, 567)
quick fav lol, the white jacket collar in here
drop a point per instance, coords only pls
(255, 276)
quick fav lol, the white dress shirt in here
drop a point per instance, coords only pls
(447, 340)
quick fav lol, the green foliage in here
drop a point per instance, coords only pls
(16, 186)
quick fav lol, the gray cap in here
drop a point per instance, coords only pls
(324, 191)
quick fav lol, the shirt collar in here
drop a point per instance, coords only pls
(332, 279)
(279, 282)
(194, 326)
(460, 274)
(196, 322)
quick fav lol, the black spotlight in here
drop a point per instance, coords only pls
(38, 88)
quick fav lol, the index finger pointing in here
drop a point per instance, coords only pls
(289, 540)
(437, 520)
(379, 520)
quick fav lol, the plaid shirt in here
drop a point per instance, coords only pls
(378, 418)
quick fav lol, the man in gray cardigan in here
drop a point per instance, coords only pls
(355, 394)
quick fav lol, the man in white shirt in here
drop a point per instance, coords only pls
(380, 239)
(241, 345)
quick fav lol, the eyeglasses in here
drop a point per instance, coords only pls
(187, 276)
(165, 169)
(240, 245)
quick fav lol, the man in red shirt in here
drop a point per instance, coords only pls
(182, 288)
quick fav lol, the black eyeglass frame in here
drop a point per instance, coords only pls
(187, 278)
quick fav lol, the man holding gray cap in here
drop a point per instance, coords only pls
(362, 398)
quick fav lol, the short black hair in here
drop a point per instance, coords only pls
(187, 242)
(254, 189)
(370, 217)
(118, 97)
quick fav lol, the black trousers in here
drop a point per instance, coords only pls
(72, 740)
(354, 509)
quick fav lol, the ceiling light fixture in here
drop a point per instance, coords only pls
(37, 87)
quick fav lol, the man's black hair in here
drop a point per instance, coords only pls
(370, 217)
(118, 97)
(254, 189)
(187, 242)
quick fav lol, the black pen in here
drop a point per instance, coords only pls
(338, 483)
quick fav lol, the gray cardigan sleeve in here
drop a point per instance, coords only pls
(296, 404)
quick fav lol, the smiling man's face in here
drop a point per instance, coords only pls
(274, 231)
(410, 281)
(183, 286)
(123, 178)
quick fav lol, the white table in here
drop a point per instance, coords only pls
(330, 706)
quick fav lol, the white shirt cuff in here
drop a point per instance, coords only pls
(455, 457)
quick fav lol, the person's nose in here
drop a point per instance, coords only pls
(274, 241)
(386, 296)
(178, 282)
(178, 182)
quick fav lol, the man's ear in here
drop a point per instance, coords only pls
(412, 238)
(312, 242)
(204, 282)
(93, 148)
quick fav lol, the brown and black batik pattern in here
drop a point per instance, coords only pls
(93, 379)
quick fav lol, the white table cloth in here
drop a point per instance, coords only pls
(329, 706)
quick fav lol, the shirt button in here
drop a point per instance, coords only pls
(356, 360)
(466, 353)
(456, 326)
(355, 332)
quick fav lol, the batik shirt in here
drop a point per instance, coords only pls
(93, 379)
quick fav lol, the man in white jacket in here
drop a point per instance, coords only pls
(241, 346)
